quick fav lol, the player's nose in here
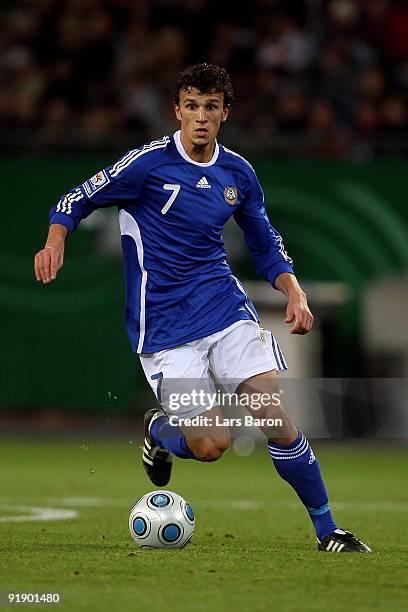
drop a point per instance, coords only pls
(201, 115)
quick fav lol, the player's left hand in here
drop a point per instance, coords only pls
(298, 313)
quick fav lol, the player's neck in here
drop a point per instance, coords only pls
(201, 154)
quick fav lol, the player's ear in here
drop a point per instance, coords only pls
(177, 111)
(225, 113)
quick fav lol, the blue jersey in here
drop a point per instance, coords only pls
(172, 211)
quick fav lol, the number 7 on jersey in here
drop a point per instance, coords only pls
(175, 189)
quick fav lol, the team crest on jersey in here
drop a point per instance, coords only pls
(96, 183)
(231, 195)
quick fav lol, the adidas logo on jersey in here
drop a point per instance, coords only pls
(203, 183)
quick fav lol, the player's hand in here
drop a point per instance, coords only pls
(48, 261)
(298, 313)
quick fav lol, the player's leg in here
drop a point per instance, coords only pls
(250, 364)
(291, 453)
(296, 463)
(175, 375)
(202, 440)
(293, 458)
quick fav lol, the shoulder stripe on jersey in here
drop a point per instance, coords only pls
(129, 227)
(123, 160)
(238, 155)
(135, 156)
(135, 153)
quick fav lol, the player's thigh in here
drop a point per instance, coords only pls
(179, 378)
(242, 351)
(264, 383)
(246, 360)
(181, 382)
(262, 397)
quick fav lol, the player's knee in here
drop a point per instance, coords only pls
(222, 443)
(210, 449)
(210, 453)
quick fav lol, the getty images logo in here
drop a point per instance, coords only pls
(203, 183)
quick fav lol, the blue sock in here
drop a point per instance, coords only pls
(297, 464)
(170, 437)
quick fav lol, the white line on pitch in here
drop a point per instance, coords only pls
(90, 502)
(35, 513)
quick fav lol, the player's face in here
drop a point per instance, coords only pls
(200, 116)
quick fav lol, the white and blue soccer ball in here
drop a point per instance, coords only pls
(161, 519)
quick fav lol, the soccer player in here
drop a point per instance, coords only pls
(187, 316)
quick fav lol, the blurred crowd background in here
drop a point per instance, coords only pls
(321, 112)
(318, 77)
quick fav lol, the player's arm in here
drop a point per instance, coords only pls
(270, 258)
(113, 186)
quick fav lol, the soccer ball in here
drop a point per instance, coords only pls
(161, 519)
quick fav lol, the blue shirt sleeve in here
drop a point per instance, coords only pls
(115, 185)
(264, 241)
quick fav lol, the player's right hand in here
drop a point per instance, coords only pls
(47, 262)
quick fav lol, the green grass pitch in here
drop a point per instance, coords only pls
(253, 549)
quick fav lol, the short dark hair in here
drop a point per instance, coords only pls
(207, 78)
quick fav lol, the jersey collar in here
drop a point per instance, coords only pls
(181, 150)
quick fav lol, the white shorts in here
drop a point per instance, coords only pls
(229, 356)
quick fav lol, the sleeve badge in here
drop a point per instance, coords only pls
(96, 183)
